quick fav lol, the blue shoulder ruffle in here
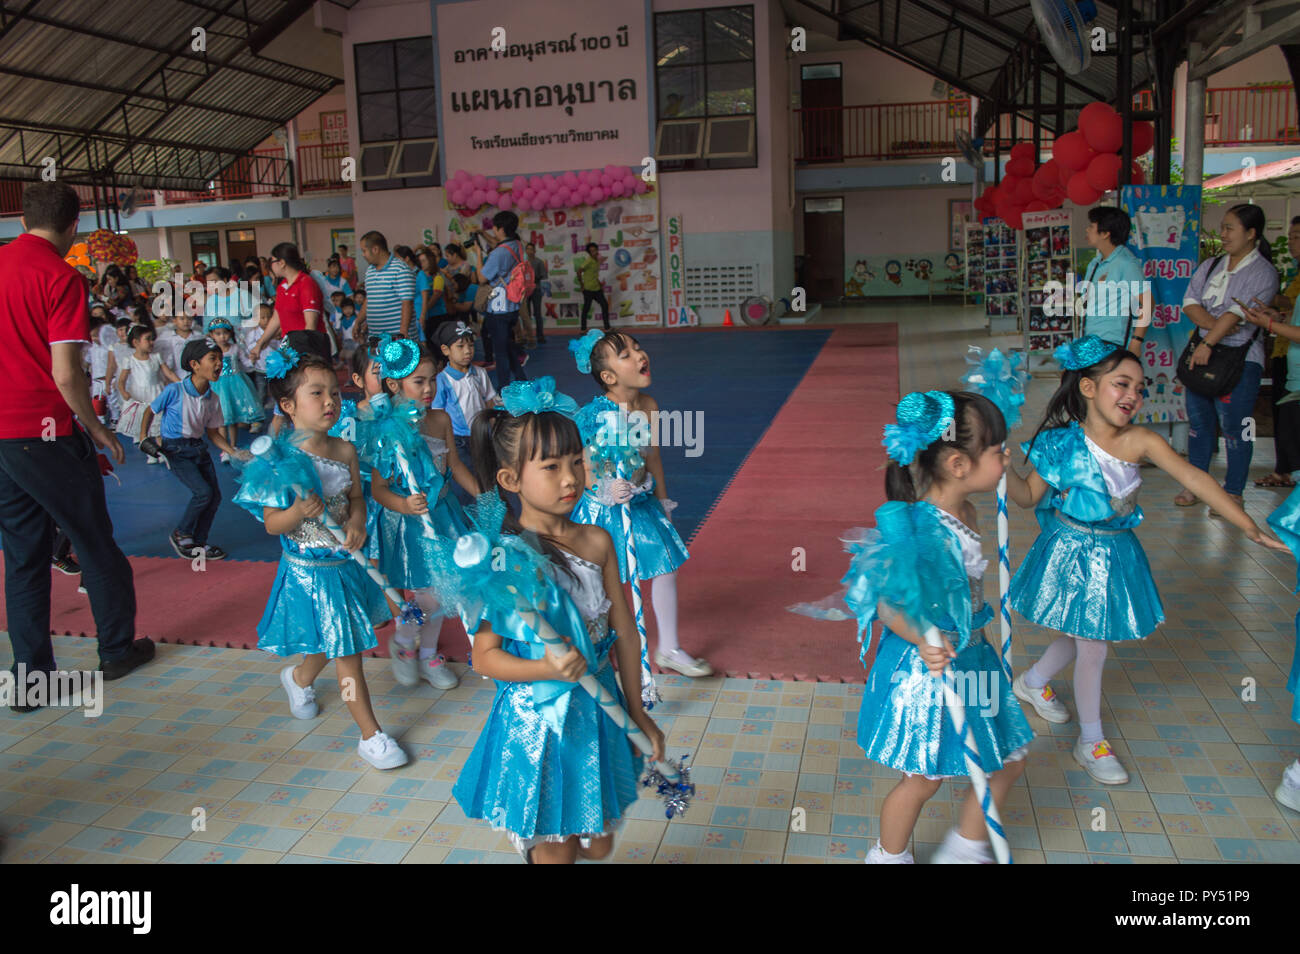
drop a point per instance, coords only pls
(268, 480)
(1285, 521)
(382, 431)
(1062, 458)
(599, 425)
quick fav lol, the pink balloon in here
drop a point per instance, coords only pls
(606, 181)
(529, 193)
(548, 179)
(460, 175)
(479, 181)
(524, 205)
(476, 198)
(492, 197)
(506, 201)
(620, 188)
(519, 183)
(591, 177)
(494, 185)
(597, 195)
(641, 187)
(609, 169)
(570, 179)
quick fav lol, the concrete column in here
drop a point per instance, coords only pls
(1194, 126)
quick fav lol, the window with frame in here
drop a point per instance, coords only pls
(705, 94)
(397, 114)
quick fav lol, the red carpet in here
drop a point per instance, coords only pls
(816, 472)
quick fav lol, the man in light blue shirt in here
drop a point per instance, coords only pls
(1114, 282)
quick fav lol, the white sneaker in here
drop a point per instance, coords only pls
(153, 460)
(404, 662)
(381, 752)
(302, 700)
(956, 850)
(1043, 700)
(878, 856)
(1100, 762)
(437, 673)
(1288, 792)
(684, 663)
(225, 458)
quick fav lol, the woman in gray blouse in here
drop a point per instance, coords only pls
(1244, 272)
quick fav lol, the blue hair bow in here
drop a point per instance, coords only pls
(537, 397)
(922, 420)
(1083, 352)
(1000, 378)
(281, 361)
(397, 357)
(581, 349)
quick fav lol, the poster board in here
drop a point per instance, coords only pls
(627, 231)
(1165, 236)
(975, 261)
(895, 276)
(1001, 272)
(1048, 256)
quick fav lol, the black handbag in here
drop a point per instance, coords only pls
(1220, 374)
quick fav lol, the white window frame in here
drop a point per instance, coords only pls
(396, 163)
(396, 144)
(708, 133)
(665, 123)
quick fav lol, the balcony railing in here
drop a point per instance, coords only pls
(1237, 115)
(320, 168)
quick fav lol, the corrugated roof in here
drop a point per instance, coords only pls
(120, 87)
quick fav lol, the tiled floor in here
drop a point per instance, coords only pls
(196, 759)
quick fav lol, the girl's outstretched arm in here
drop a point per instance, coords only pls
(1158, 451)
(1025, 491)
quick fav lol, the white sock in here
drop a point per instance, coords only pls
(905, 853)
(1291, 777)
(432, 626)
(663, 601)
(969, 847)
(1090, 733)
(406, 635)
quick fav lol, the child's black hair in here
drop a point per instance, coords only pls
(137, 332)
(461, 281)
(362, 359)
(499, 439)
(1068, 404)
(122, 323)
(977, 426)
(288, 385)
(606, 349)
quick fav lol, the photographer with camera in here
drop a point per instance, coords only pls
(510, 279)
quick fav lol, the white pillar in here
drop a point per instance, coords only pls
(1194, 126)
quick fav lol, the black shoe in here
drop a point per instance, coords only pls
(541, 340)
(185, 552)
(141, 652)
(210, 552)
(67, 566)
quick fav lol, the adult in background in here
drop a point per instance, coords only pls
(500, 314)
(1244, 272)
(535, 299)
(49, 468)
(298, 310)
(431, 292)
(1114, 276)
(390, 291)
(1286, 417)
(588, 271)
(348, 264)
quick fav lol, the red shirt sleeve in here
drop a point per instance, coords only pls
(69, 318)
(309, 298)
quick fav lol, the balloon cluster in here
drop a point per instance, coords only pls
(567, 190)
(107, 246)
(1084, 165)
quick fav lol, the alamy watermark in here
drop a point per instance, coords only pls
(175, 297)
(1103, 297)
(978, 689)
(73, 688)
(658, 429)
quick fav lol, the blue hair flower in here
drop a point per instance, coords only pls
(1083, 352)
(397, 357)
(922, 419)
(537, 397)
(581, 348)
(1000, 378)
(281, 361)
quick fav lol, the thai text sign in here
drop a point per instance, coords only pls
(539, 87)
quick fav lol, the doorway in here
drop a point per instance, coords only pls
(823, 247)
(821, 98)
(204, 248)
(241, 244)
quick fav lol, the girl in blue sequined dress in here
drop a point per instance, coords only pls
(1286, 521)
(240, 406)
(322, 603)
(922, 565)
(1086, 575)
(550, 767)
(622, 370)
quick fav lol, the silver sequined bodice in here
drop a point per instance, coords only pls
(1123, 479)
(336, 481)
(588, 593)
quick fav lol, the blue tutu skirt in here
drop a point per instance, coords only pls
(1085, 582)
(373, 510)
(1293, 681)
(659, 550)
(535, 782)
(239, 403)
(321, 605)
(405, 553)
(905, 725)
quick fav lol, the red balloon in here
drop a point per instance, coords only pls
(1047, 179)
(1013, 217)
(1080, 192)
(1038, 205)
(1007, 187)
(1021, 166)
(991, 194)
(1103, 172)
(1102, 127)
(1024, 150)
(1144, 137)
(1072, 152)
(1025, 191)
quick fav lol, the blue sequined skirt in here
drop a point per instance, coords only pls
(373, 510)
(1087, 582)
(1293, 681)
(659, 550)
(534, 782)
(321, 605)
(905, 725)
(239, 403)
(405, 553)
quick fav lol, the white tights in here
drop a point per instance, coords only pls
(1089, 656)
(426, 635)
(663, 601)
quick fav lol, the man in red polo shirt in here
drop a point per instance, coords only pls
(49, 469)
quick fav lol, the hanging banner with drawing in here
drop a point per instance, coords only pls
(627, 232)
(1166, 238)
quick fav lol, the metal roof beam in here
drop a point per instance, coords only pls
(51, 129)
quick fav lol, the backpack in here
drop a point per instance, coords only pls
(521, 282)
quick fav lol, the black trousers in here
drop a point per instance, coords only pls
(317, 342)
(1286, 421)
(599, 297)
(43, 483)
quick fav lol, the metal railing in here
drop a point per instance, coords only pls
(1236, 115)
(320, 168)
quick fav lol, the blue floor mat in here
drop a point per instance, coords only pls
(736, 380)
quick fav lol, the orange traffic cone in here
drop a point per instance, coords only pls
(726, 320)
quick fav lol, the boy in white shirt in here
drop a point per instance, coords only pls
(464, 389)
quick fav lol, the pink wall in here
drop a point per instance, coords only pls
(870, 76)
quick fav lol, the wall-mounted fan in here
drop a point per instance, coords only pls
(1062, 24)
(971, 152)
